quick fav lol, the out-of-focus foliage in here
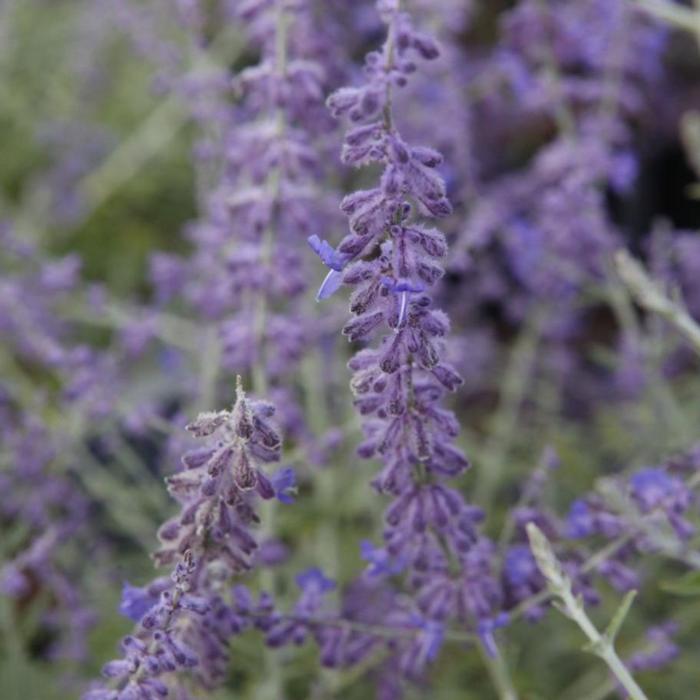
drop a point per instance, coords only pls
(99, 159)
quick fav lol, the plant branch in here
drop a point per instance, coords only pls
(649, 296)
(602, 645)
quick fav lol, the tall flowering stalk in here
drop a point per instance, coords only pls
(185, 622)
(391, 260)
(266, 201)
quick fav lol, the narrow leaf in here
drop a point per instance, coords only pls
(619, 617)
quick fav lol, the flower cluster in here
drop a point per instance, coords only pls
(267, 198)
(185, 623)
(214, 486)
(651, 500)
(391, 260)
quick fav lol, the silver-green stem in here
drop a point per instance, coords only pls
(649, 296)
(499, 674)
(602, 645)
(325, 479)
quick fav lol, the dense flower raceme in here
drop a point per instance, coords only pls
(585, 42)
(185, 622)
(270, 165)
(391, 260)
(262, 156)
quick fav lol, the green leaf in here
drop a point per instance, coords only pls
(619, 617)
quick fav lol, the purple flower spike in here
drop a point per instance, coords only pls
(183, 621)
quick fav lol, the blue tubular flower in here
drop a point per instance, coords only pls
(486, 629)
(424, 648)
(591, 516)
(314, 581)
(661, 649)
(284, 482)
(331, 258)
(403, 288)
(431, 638)
(313, 585)
(379, 560)
(136, 602)
(579, 522)
(330, 285)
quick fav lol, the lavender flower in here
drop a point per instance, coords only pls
(655, 489)
(215, 486)
(654, 492)
(157, 649)
(391, 261)
(185, 624)
(136, 602)
(549, 115)
(247, 271)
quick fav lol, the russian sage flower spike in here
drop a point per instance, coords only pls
(186, 623)
(391, 259)
(248, 268)
(157, 648)
(217, 482)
